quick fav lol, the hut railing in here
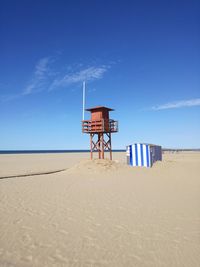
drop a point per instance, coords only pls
(99, 126)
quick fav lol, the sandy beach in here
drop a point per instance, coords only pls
(99, 213)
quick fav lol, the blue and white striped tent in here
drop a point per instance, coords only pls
(143, 154)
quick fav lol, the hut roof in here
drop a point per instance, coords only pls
(99, 108)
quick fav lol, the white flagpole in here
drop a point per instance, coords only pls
(83, 100)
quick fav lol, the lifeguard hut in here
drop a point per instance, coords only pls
(100, 127)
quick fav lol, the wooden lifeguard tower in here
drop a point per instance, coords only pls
(100, 127)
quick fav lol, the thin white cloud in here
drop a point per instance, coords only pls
(40, 75)
(45, 79)
(38, 83)
(87, 74)
(178, 104)
(9, 97)
(42, 67)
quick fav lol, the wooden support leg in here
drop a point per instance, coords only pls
(102, 145)
(99, 145)
(110, 146)
(91, 156)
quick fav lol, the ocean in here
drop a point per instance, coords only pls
(50, 151)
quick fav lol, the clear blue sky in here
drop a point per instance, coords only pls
(141, 58)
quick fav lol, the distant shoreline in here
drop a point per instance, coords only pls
(50, 151)
(181, 150)
(85, 151)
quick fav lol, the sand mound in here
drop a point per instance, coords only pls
(97, 166)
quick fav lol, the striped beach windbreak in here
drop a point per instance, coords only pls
(143, 154)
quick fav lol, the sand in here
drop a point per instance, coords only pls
(99, 213)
